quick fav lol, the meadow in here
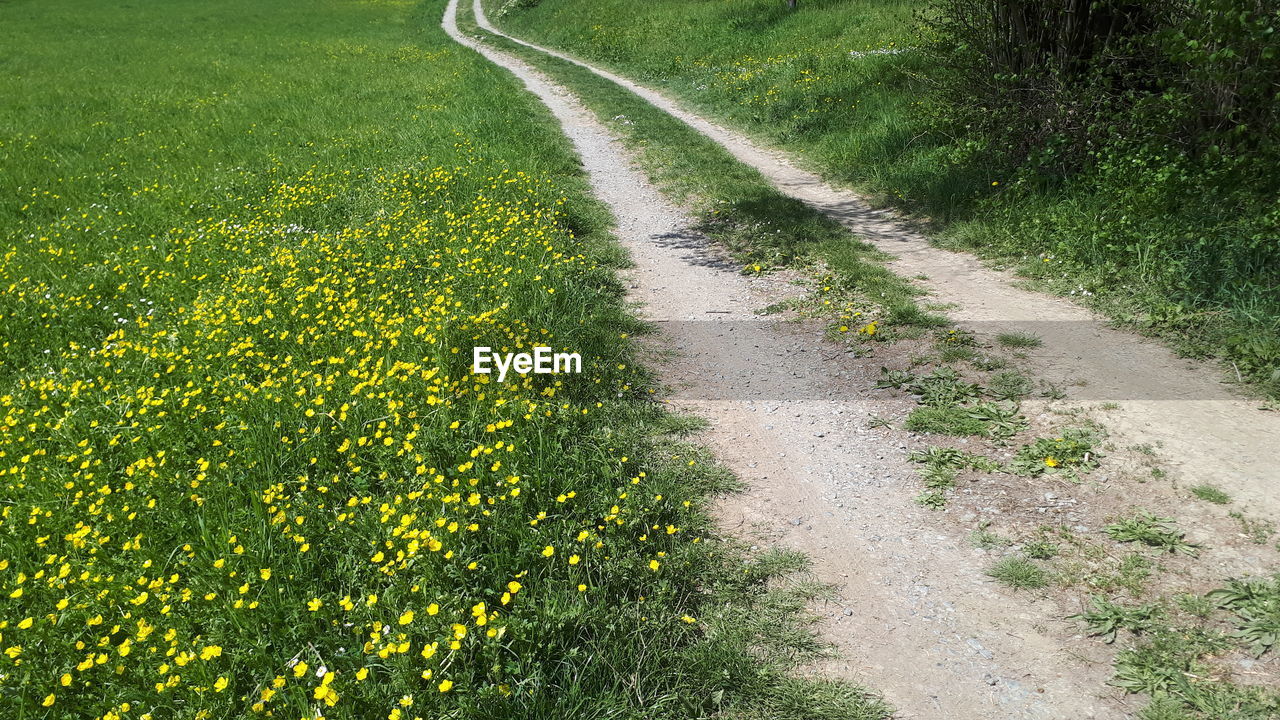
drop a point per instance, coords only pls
(246, 469)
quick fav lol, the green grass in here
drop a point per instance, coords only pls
(1148, 529)
(1155, 240)
(1105, 618)
(1071, 453)
(247, 249)
(1212, 494)
(1009, 385)
(1020, 340)
(1019, 573)
(1182, 659)
(945, 421)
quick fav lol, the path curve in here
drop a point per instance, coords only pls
(915, 617)
(1206, 434)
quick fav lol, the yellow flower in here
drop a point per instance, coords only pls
(265, 573)
(48, 700)
(445, 686)
(654, 565)
(1051, 462)
(210, 652)
(548, 551)
(314, 604)
(220, 684)
(406, 618)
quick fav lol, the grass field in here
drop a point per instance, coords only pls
(1156, 241)
(247, 249)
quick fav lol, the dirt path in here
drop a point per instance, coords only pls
(1206, 434)
(918, 620)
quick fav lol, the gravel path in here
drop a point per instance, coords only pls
(915, 619)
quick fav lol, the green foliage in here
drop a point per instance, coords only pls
(1009, 385)
(1148, 529)
(1106, 618)
(1072, 452)
(948, 420)
(943, 388)
(1002, 418)
(1256, 605)
(1019, 573)
(1041, 550)
(1019, 340)
(955, 458)
(942, 463)
(1173, 665)
(1211, 493)
(512, 6)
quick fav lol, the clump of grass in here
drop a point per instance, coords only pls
(1009, 385)
(939, 471)
(1003, 419)
(1256, 605)
(945, 421)
(940, 468)
(986, 540)
(1041, 550)
(932, 499)
(1151, 530)
(989, 362)
(896, 379)
(1019, 573)
(955, 353)
(943, 387)
(1019, 340)
(1210, 493)
(1106, 618)
(1158, 665)
(953, 458)
(1195, 605)
(938, 477)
